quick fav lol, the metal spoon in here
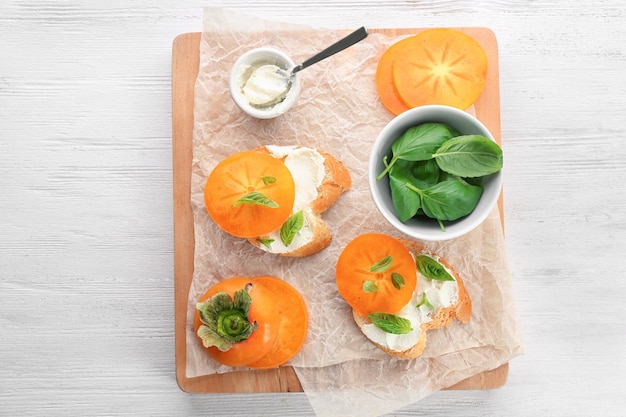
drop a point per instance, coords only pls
(356, 36)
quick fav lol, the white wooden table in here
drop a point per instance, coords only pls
(86, 241)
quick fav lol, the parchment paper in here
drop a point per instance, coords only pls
(338, 111)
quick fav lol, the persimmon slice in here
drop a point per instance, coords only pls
(294, 322)
(440, 66)
(384, 78)
(249, 194)
(376, 273)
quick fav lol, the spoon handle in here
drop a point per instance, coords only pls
(356, 36)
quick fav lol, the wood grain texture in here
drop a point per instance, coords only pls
(86, 240)
(185, 62)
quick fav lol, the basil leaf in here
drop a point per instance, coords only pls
(390, 323)
(257, 198)
(424, 302)
(449, 200)
(432, 269)
(267, 180)
(406, 201)
(469, 156)
(382, 265)
(421, 174)
(369, 287)
(291, 227)
(477, 181)
(397, 280)
(419, 143)
(266, 242)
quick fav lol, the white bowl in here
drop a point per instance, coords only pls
(255, 58)
(416, 227)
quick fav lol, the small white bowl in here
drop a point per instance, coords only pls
(418, 228)
(255, 58)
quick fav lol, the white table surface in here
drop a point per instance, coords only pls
(86, 240)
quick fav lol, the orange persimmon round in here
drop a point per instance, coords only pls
(249, 194)
(440, 66)
(277, 311)
(376, 273)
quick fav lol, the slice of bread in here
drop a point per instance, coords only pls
(335, 182)
(461, 310)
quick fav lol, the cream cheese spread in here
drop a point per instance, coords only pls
(440, 294)
(308, 171)
(265, 86)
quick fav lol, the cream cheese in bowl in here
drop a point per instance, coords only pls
(264, 86)
(257, 85)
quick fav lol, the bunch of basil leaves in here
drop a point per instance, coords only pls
(436, 172)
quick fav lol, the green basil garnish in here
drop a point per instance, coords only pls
(390, 323)
(424, 302)
(266, 242)
(257, 198)
(382, 265)
(291, 227)
(432, 269)
(397, 280)
(268, 180)
(369, 287)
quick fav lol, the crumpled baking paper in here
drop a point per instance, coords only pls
(338, 111)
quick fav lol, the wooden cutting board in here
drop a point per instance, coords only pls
(185, 63)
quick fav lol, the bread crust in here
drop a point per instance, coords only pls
(336, 181)
(460, 311)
